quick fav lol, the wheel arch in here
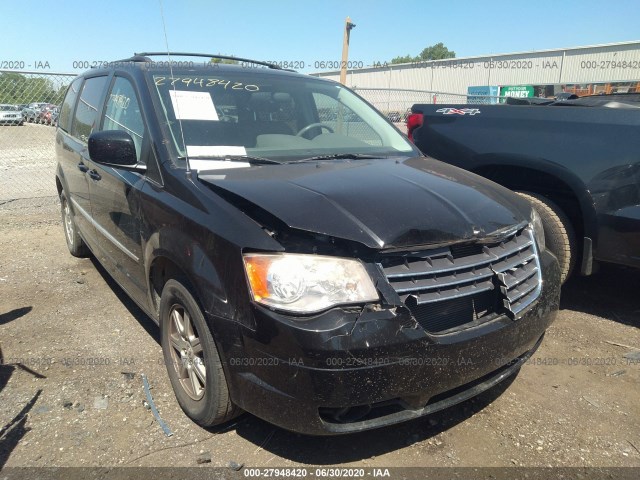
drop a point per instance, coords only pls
(61, 181)
(171, 254)
(161, 270)
(58, 185)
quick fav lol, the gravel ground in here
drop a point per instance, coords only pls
(74, 349)
(27, 161)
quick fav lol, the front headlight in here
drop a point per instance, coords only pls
(307, 283)
(538, 230)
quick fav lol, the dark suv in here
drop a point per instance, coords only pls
(319, 273)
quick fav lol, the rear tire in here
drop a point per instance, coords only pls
(75, 244)
(559, 234)
(192, 358)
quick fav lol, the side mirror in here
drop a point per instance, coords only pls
(113, 147)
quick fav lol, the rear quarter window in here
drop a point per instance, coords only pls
(85, 119)
(64, 122)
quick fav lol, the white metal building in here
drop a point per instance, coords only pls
(595, 64)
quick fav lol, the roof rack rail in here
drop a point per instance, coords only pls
(140, 57)
(135, 58)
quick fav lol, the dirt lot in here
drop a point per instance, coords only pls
(73, 349)
(27, 161)
(67, 334)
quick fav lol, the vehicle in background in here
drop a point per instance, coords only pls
(10, 115)
(577, 160)
(54, 116)
(562, 96)
(46, 114)
(31, 112)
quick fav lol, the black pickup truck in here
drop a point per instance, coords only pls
(577, 161)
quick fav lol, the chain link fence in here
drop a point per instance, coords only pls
(28, 115)
(396, 104)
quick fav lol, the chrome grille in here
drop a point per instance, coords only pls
(473, 283)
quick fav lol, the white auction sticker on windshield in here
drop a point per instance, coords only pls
(201, 165)
(215, 150)
(189, 105)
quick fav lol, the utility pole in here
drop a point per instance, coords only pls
(345, 50)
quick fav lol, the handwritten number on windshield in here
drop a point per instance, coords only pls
(205, 83)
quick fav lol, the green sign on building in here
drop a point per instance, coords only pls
(520, 91)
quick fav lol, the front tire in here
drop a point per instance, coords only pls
(559, 234)
(192, 358)
(75, 244)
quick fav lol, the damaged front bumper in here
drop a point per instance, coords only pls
(349, 370)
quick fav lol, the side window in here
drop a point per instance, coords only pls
(123, 112)
(64, 122)
(87, 110)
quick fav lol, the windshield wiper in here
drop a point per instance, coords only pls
(338, 156)
(238, 158)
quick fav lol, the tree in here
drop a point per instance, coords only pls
(402, 59)
(223, 60)
(434, 52)
(16, 88)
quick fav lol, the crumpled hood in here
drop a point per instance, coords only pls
(385, 203)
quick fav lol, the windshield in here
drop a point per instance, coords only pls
(275, 116)
(8, 108)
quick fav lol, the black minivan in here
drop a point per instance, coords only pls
(304, 261)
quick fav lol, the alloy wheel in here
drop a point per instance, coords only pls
(68, 222)
(186, 353)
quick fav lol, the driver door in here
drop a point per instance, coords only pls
(115, 193)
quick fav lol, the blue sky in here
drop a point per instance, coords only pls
(68, 31)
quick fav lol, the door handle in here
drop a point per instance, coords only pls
(82, 167)
(95, 175)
